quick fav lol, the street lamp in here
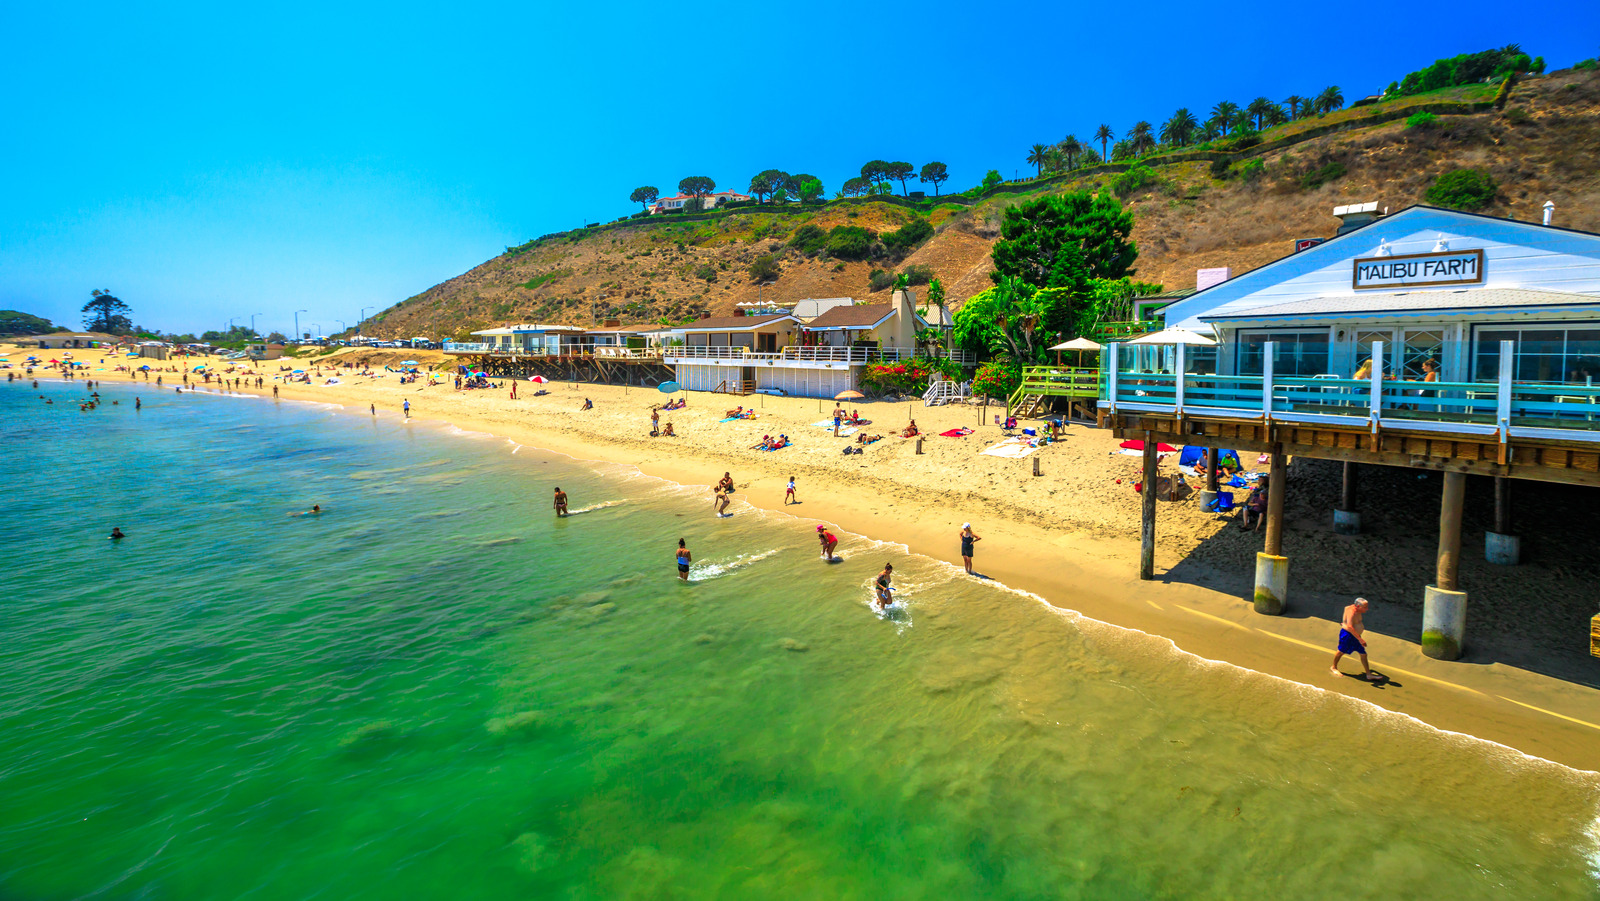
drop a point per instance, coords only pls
(362, 325)
(297, 325)
(341, 325)
(253, 324)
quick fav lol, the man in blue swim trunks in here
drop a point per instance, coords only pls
(1352, 640)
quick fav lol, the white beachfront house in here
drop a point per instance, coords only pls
(1429, 284)
(527, 340)
(613, 339)
(778, 352)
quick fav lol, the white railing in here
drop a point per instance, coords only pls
(812, 354)
(945, 390)
(467, 347)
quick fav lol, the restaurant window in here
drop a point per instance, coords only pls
(1294, 353)
(1557, 355)
(1421, 345)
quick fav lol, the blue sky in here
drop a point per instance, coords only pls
(209, 162)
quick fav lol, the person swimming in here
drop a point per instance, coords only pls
(117, 533)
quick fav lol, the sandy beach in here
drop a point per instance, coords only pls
(1069, 535)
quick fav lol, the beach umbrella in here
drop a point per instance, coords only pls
(849, 395)
(667, 387)
(408, 362)
(146, 366)
(1078, 344)
(1135, 448)
(1175, 336)
(538, 379)
(298, 372)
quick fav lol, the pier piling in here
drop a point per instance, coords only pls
(1444, 605)
(1272, 568)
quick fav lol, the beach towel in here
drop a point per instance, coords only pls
(956, 433)
(1011, 449)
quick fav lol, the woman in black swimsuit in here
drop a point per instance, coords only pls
(967, 539)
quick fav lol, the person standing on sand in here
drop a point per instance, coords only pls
(788, 494)
(655, 421)
(561, 502)
(968, 538)
(513, 390)
(406, 406)
(829, 542)
(1352, 639)
(683, 557)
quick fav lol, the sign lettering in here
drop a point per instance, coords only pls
(1417, 270)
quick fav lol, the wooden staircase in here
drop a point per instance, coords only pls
(1024, 405)
(738, 387)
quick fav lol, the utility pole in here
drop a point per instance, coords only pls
(253, 324)
(362, 325)
(297, 325)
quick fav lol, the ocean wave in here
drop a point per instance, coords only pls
(705, 572)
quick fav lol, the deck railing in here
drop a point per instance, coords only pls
(814, 353)
(1504, 408)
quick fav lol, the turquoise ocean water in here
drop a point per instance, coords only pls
(436, 690)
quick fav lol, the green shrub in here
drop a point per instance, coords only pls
(1518, 116)
(850, 242)
(1321, 175)
(838, 267)
(880, 279)
(1462, 189)
(1132, 180)
(764, 268)
(706, 271)
(1422, 120)
(809, 239)
(992, 179)
(918, 274)
(909, 235)
(1219, 167)
(1587, 64)
(1250, 170)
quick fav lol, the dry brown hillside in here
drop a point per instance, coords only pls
(1541, 147)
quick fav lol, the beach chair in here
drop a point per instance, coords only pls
(1010, 426)
(1222, 504)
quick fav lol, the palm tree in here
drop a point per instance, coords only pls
(1180, 128)
(1103, 134)
(1055, 160)
(1036, 157)
(1329, 100)
(1140, 140)
(1257, 110)
(1069, 148)
(1209, 131)
(1224, 113)
(1293, 102)
(1276, 114)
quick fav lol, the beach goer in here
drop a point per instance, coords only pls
(968, 539)
(720, 502)
(726, 484)
(655, 422)
(561, 502)
(116, 533)
(1352, 639)
(1255, 507)
(406, 406)
(788, 493)
(684, 557)
(373, 408)
(667, 432)
(138, 404)
(829, 542)
(588, 404)
(883, 588)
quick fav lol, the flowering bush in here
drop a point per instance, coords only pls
(904, 378)
(997, 379)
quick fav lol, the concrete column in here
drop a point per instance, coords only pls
(1147, 525)
(1346, 518)
(1208, 494)
(1444, 606)
(1500, 546)
(1272, 568)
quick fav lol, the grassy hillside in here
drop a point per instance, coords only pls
(1196, 212)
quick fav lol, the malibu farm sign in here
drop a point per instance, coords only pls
(1419, 270)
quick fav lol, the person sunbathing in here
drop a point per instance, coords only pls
(735, 413)
(667, 432)
(909, 431)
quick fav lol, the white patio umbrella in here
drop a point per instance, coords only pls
(1175, 336)
(1078, 344)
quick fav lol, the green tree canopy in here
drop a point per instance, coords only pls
(875, 171)
(810, 189)
(1103, 134)
(1180, 128)
(697, 186)
(16, 322)
(900, 171)
(933, 174)
(768, 182)
(855, 187)
(1038, 154)
(1061, 239)
(106, 313)
(1141, 138)
(644, 196)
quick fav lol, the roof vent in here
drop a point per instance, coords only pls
(1549, 211)
(1355, 215)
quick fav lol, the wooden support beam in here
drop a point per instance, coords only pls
(1211, 470)
(1275, 489)
(1347, 489)
(1502, 505)
(1450, 500)
(1147, 523)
